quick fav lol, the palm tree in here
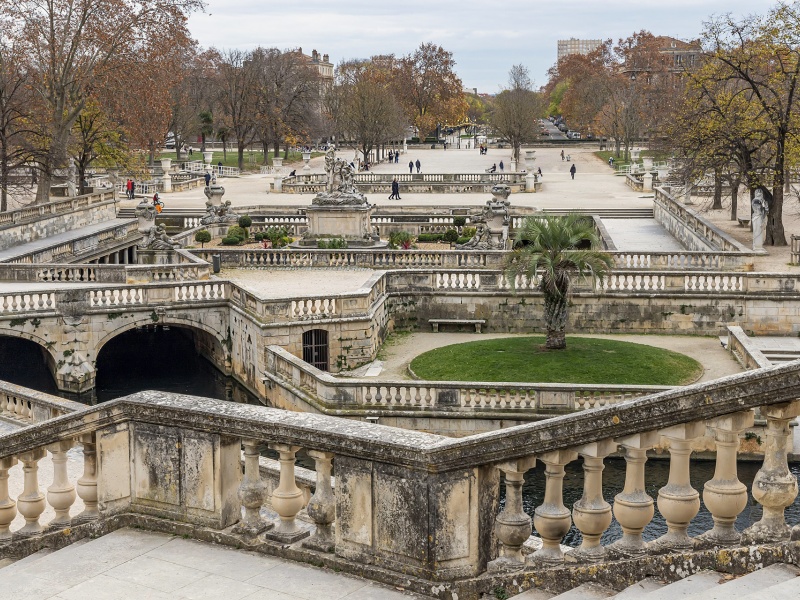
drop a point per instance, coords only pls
(554, 249)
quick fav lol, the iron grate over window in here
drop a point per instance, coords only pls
(315, 348)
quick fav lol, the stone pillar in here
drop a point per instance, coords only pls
(87, 484)
(552, 519)
(277, 161)
(166, 165)
(60, 495)
(287, 499)
(322, 506)
(592, 514)
(530, 181)
(31, 502)
(278, 184)
(307, 167)
(8, 508)
(252, 493)
(647, 182)
(633, 508)
(678, 501)
(512, 526)
(774, 486)
(725, 496)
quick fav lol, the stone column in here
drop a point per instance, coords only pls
(647, 182)
(774, 486)
(725, 496)
(552, 519)
(31, 502)
(592, 514)
(633, 508)
(678, 501)
(166, 165)
(87, 484)
(252, 493)
(60, 495)
(322, 506)
(8, 508)
(287, 499)
(512, 526)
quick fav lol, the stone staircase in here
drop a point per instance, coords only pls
(776, 582)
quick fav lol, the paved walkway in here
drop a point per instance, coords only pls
(131, 564)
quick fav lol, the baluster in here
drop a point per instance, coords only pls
(31, 502)
(287, 499)
(87, 484)
(774, 486)
(398, 399)
(417, 397)
(512, 526)
(592, 514)
(725, 496)
(552, 519)
(61, 495)
(322, 506)
(633, 508)
(252, 493)
(678, 501)
(8, 508)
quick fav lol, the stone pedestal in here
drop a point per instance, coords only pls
(277, 161)
(348, 221)
(166, 166)
(647, 182)
(306, 158)
(155, 257)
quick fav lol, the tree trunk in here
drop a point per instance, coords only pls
(775, 235)
(717, 204)
(265, 148)
(3, 179)
(734, 199)
(240, 154)
(555, 319)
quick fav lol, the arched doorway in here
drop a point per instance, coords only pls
(315, 348)
(24, 362)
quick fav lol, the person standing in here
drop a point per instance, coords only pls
(395, 190)
(411, 166)
(418, 165)
(572, 170)
(562, 154)
(128, 189)
(133, 189)
(501, 166)
(208, 178)
(391, 156)
(397, 157)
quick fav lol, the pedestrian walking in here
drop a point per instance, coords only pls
(219, 164)
(391, 156)
(572, 170)
(418, 165)
(562, 155)
(133, 189)
(128, 189)
(395, 190)
(397, 157)
(411, 166)
(501, 166)
(207, 178)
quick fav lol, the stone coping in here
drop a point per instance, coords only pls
(434, 453)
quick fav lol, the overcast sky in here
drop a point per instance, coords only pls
(486, 37)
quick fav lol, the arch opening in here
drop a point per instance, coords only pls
(315, 348)
(26, 363)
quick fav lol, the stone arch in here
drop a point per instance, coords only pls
(46, 345)
(316, 348)
(216, 336)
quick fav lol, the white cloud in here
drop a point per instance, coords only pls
(486, 38)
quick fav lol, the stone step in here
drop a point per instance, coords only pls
(685, 588)
(752, 582)
(788, 590)
(639, 589)
(587, 591)
(16, 564)
(4, 562)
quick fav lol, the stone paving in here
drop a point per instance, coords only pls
(132, 564)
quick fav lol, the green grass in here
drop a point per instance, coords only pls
(656, 155)
(586, 360)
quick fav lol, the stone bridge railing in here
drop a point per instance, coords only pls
(490, 259)
(25, 406)
(412, 509)
(295, 380)
(36, 212)
(743, 349)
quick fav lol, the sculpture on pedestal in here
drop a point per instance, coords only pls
(762, 198)
(340, 188)
(217, 211)
(492, 224)
(155, 236)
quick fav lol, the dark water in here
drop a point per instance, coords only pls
(158, 359)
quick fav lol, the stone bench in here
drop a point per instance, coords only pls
(477, 322)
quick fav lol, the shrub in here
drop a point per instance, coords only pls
(258, 236)
(459, 221)
(401, 239)
(245, 221)
(203, 236)
(451, 235)
(231, 240)
(430, 237)
(237, 231)
(332, 244)
(469, 232)
(279, 236)
(463, 240)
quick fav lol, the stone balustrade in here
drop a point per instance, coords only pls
(743, 349)
(422, 508)
(28, 406)
(297, 383)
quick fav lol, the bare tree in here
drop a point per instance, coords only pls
(238, 92)
(516, 110)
